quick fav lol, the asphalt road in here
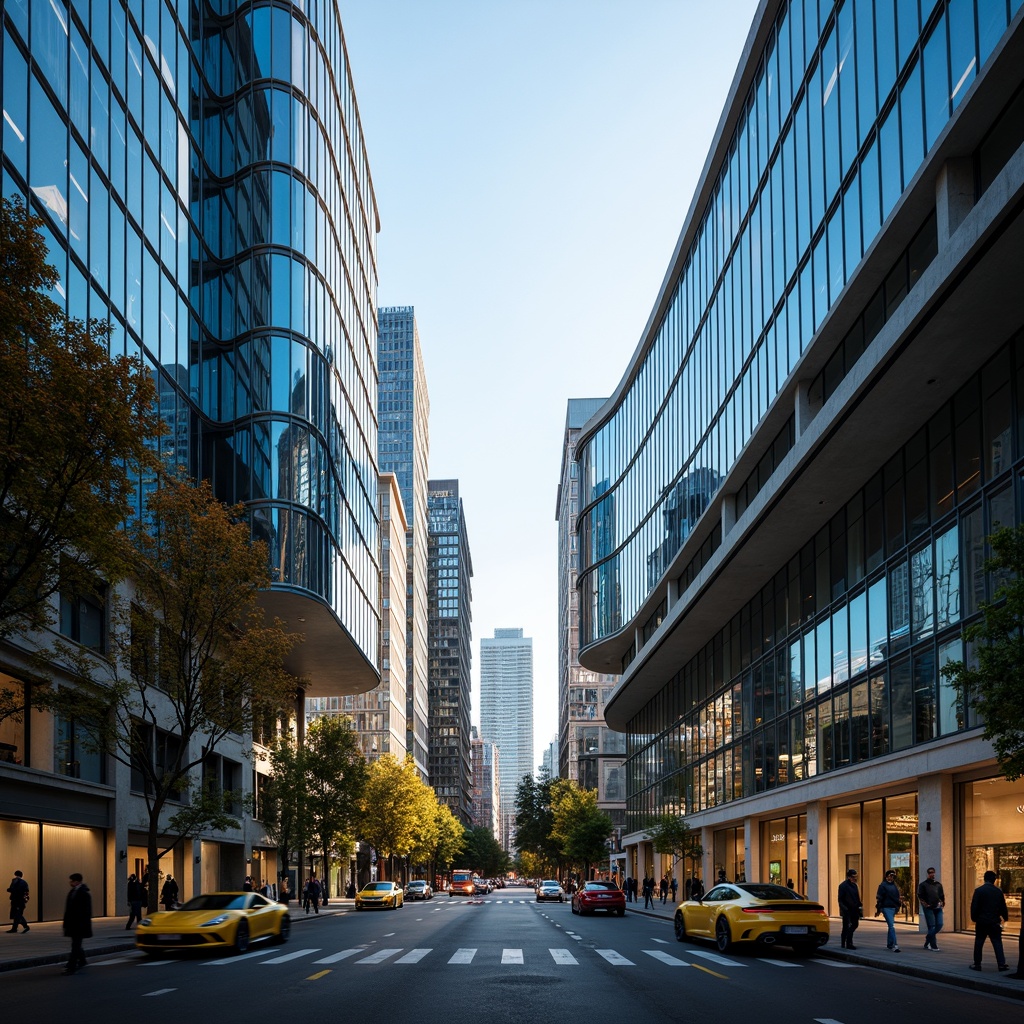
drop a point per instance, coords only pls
(501, 959)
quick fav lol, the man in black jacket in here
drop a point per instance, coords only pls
(988, 910)
(850, 908)
(77, 921)
(932, 900)
(19, 898)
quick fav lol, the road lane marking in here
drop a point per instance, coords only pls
(827, 1020)
(615, 959)
(335, 957)
(715, 958)
(379, 957)
(160, 992)
(318, 975)
(664, 942)
(661, 955)
(387, 935)
(563, 956)
(707, 970)
(414, 956)
(511, 956)
(291, 956)
(156, 963)
(463, 956)
(781, 963)
(834, 963)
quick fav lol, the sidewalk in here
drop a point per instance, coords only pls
(45, 942)
(949, 965)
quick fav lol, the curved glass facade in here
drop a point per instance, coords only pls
(846, 101)
(204, 180)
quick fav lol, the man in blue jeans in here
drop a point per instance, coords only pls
(932, 900)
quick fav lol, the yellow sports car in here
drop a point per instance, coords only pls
(380, 895)
(764, 914)
(216, 920)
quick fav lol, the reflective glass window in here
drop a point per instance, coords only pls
(963, 62)
(936, 83)
(911, 124)
(889, 152)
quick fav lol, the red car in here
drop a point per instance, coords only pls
(599, 896)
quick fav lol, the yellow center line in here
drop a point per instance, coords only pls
(319, 974)
(707, 970)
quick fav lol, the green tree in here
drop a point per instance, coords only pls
(534, 820)
(449, 838)
(334, 779)
(671, 834)
(77, 428)
(392, 805)
(482, 852)
(994, 684)
(194, 661)
(578, 826)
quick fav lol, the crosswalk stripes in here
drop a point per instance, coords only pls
(614, 958)
(508, 956)
(664, 957)
(379, 957)
(335, 957)
(414, 956)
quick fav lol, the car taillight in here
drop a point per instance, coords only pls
(758, 910)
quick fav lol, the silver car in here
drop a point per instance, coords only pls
(419, 890)
(550, 890)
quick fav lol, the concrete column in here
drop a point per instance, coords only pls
(728, 514)
(802, 414)
(752, 850)
(707, 867)
(954, 196)
(672, 594)
(935, 839)
(817, 853)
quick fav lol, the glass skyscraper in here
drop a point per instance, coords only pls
(784, 504)
(506, 714)
(202, 176)
(403, 449)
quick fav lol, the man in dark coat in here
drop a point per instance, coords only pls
(169, 893)
(136, 894)
(77, 921)
(850, 908)
(988, 909)
(19, 898)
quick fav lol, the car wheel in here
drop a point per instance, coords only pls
(723, 938)
(242, 937)
(284, 931)
(680, 927)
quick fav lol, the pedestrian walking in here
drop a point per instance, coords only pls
(311, 895)
(77, 921)
(648, 892)
(284, 894)
(988, 911)
(675, 888)
(696, 888)
(850, 908)
(247, 884)
(888, 900)
(932, 900)
(633, 889)
(18, 890)
(663, 888)
(135, 893)
(721, 877)
(169, 893)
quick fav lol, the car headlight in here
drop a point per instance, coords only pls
(220, 919)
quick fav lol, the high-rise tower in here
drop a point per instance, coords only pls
(450, 645)
(403, 448)
(506, 714)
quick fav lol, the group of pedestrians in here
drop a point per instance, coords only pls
(988, 912)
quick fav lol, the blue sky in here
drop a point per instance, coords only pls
(533, 162)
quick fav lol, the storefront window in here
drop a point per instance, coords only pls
(784, 852)
(993, 824)
(730, 855)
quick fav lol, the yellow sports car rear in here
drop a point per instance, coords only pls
(753, 913)
(216, 920)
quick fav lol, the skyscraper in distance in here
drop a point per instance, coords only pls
(403, 409)
(449, 649)
(506, 714)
